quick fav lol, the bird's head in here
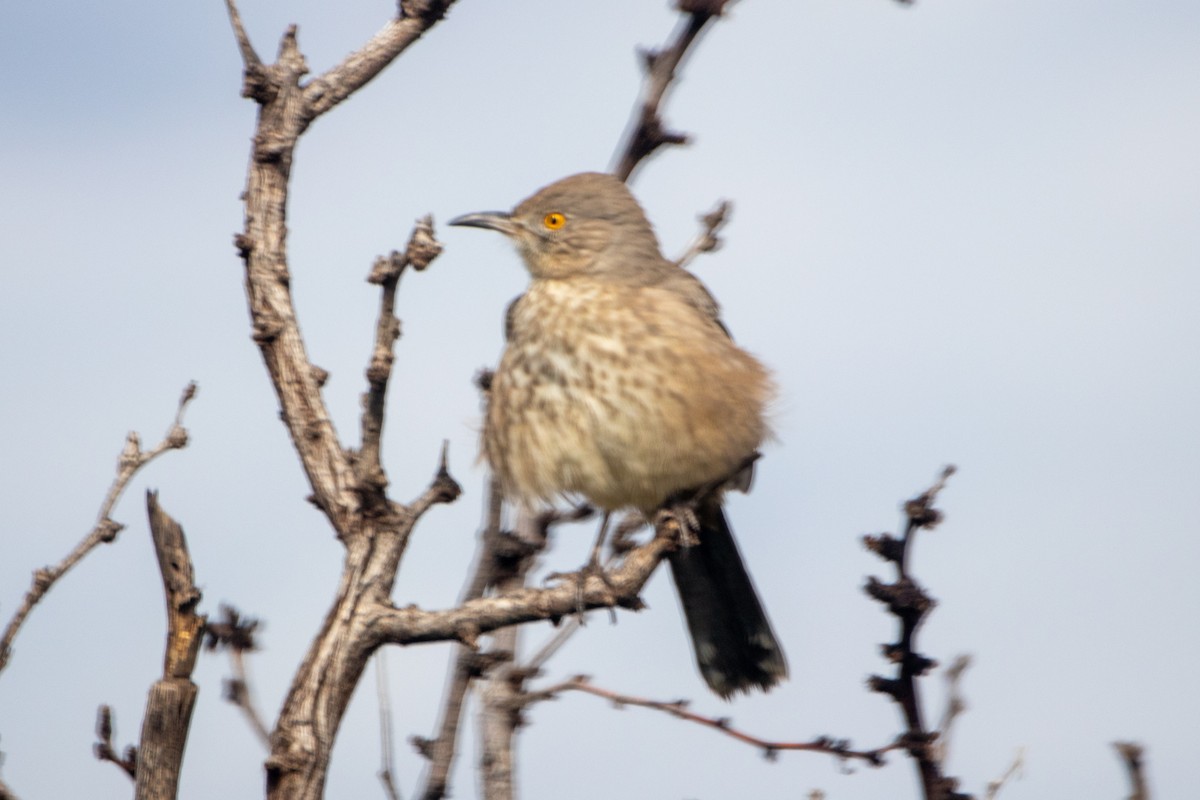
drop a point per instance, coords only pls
(585, 224)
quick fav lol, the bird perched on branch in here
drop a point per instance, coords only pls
(619, 383)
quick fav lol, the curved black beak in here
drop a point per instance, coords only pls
(492, 220)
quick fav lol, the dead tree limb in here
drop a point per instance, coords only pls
(131, 460)
(169, 708)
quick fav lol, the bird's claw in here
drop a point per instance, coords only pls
(683, 515)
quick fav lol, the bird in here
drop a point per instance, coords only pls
(620, 384)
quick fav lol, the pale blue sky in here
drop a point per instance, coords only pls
(963, 232)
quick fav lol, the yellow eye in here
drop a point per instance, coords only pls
(554, 220)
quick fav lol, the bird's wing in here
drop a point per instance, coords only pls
(686, 285)
(509, 313)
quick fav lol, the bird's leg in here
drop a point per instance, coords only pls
(592, 567)
(593, 564)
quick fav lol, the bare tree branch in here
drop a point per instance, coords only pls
(502, 563)
(1013, 771)
(1132, 756)
(387, 754)
(131, 460)
(442, 489)
(956, 704)
(615, 588)
(347, 488)
(466, 664)
(169, 708)
(707, 241)
(5, 792)
(104, 749)
(415, 17)
(501, 699)
(422, 248)
(908, 602)
(647, 131)
(237, 634)
(679, 709)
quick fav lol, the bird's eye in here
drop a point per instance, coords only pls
(554, 220)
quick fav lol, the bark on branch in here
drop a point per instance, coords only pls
(619, 587)
(348, 487)
(169, 707)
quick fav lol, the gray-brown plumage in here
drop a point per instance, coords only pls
(619, 383)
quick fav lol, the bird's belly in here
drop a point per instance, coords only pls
(621, 413)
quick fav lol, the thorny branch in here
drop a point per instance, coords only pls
(907, 601)
(679, 708)
(131, 460)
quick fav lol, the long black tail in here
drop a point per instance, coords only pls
(735, 647)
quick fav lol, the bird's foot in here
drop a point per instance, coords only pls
(683, 517)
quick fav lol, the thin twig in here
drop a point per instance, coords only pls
(956, 704)
(237, 634)
(104, 749)
(707, 241)
(646, 130)
(240, 692)
(131, 460)
(422, 248)
(1132, 756)
(356, 69)
(679, 709)
(5, 792)
(1013, 771)
(553, 644)
(442, 489)
(387, 755)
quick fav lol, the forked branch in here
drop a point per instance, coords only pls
(131, 460)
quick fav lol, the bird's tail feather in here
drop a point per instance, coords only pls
(735, 647)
